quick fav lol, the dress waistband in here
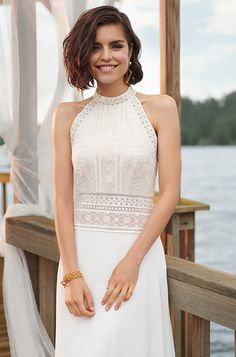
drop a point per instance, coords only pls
(113, 212)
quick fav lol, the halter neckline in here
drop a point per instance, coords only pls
(115, 99)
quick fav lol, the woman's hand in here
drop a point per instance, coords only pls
(78, 298)
(121, 283)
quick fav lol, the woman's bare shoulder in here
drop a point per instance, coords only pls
(158, 107)
(65, 112)
(68, 110)
(160, 100)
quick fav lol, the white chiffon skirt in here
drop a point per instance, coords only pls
(140, 327)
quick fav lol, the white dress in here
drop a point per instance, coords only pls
(114, 155)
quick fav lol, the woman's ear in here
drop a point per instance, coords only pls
(130, 51)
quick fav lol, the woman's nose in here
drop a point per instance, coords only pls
(106, 54)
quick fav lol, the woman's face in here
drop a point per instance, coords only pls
(109, 60)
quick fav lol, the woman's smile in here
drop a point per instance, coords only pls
(107, 68)
(109, 60)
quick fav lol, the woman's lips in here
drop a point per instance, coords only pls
(107, 68)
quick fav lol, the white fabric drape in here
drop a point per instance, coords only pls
(30, 169)
(27, 335)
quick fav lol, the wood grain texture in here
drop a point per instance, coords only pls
(34, 234)
(201, 337)
(201, 276)
(47, 295)
(4, 342)
(170, 48)
(203, 302)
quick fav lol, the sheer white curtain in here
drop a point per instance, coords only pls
(28, 139)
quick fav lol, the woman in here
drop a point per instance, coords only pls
(112, 298)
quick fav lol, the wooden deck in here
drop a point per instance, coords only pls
(4, 343)
(192, 287)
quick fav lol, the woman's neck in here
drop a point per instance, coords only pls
(111, 89)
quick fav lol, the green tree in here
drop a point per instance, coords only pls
(209, 122)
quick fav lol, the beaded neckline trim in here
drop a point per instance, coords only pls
(115, 99)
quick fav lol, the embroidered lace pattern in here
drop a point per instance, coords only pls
(114, 157)
(128, 95)
(125, 97)
(113, 212)
(98, 98)
(83, 114)
(145, 121)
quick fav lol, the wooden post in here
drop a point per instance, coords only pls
(47, 295)
(170, 84)
(4, 179)
(170, 48)
(200, 337)
(4, 342)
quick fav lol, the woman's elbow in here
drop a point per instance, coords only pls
(171, 195)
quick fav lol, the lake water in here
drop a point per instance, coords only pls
(209, 176)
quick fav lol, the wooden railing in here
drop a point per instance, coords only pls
(205, 294)
(178, 239)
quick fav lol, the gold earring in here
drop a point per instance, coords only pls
(128, 74)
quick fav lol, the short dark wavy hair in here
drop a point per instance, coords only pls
(78, 45)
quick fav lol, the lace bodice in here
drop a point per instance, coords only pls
(114, 157)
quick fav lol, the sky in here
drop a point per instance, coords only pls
(208, 48)
(208, 45)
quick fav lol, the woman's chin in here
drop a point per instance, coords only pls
(107, 80)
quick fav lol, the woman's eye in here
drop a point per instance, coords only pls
(117, 46)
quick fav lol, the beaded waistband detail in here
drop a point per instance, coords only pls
(112, 212)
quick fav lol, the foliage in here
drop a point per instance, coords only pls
(210, 122)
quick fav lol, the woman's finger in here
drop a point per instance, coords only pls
(121, 297)
(73, 308)
(109, 291)
(89, 300)
(75, 303)
(83, 310)
(129, 292)
(113, 296)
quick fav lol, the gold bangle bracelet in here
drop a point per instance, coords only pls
(70, 276)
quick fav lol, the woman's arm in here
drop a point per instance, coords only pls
(78, 297)
(169, 172)
(63, 186)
